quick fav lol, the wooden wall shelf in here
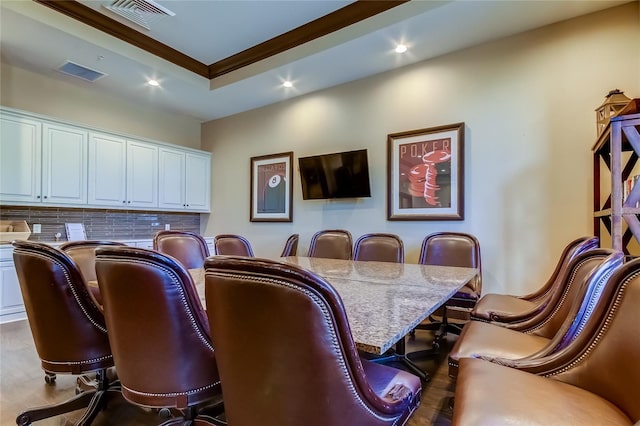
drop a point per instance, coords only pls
(622, 134)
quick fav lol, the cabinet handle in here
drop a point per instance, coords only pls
(37, 196)
(46, 197)
(124, 201)
(129, 201)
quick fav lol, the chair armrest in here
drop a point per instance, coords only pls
(543, 366)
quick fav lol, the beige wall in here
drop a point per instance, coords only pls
(79, 103)
(528, 104)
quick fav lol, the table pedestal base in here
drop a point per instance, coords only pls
(400, 355)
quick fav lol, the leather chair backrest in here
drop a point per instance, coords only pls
(189, 248)
(579, 318)
(232, 245)
(158, 328)
(379, 247)
(331, 244)
(286, 354)
(83, 254)
(607, 361)
(549, 320)
(67, 327)
(290, 246)
(574, 248)
(453, 249)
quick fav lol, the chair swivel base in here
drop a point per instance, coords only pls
(93, 400)
(194, 416)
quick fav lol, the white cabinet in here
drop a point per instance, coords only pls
(20, 159)
(122, 173)
(42, 162)
(11, 304)
(64, 164)
(107, 170)
(142, 174)
(198, 181)
(184, 180)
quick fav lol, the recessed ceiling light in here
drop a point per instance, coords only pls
(153, 83)
(401, 48)
(287, 84)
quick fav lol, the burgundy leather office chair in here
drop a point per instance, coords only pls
(290, 246)
(331, 244)
(379, 247)
(68, 329)
(593, 380)
(588, 278)
(232, 245)
(189, 248)
(83, 253)
(286, 355)
(452, 249)
(158, 331)
(509, 308)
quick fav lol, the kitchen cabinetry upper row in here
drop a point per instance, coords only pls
(184, 180)
(42, 162)
(50, 163)
(122, 172)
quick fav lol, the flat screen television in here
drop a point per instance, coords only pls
(337, 175)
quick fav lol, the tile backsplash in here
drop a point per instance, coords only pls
(100, 224)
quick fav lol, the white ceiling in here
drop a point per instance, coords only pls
(39, 39)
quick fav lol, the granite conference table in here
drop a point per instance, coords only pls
(384, 301)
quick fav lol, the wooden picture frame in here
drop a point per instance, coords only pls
(425, 174)
(272, 188)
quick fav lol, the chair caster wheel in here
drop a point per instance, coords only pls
(164, 413)
(23, 420)
(50, 378)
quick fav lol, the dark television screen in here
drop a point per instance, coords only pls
(339, 175)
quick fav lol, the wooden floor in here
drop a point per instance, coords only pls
(22, 385)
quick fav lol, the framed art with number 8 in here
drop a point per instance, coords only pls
(271, 188)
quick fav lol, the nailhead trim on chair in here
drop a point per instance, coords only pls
(564, 296)
(175, 280)
(601, 332)
(326, 314)
(173, 394)
(90, 361)
(592, 304)
(73, 290)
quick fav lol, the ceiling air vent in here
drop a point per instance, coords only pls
(80, 71)
(138, 11)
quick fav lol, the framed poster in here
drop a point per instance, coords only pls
(271, 188)
(425, 174)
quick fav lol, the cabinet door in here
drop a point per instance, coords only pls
(107, 170)
(20, 159)
(64, 165)
(146, 244)
(10, 295)
(198, 181)
(142, 174)
(171, 179)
